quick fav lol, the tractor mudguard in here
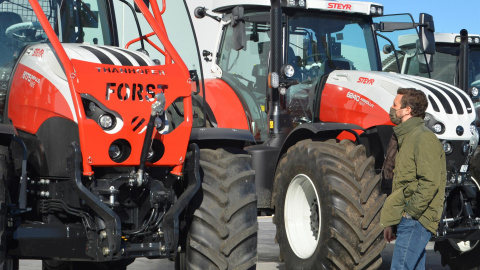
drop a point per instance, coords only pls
(327, 130)
(221, 137)
(7, 131)
(273, 149)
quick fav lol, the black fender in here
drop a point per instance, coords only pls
(221, 137)
(322, 130)
(376, 140)
(266, 156)
(7, 131)
(48, 147)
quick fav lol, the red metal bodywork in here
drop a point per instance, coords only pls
(225, 104)
(85, 78)
(335, 106)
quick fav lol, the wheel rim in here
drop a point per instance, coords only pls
(302, 216)
(463, 246)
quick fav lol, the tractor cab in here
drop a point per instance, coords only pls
(319, 37)
(447, 58)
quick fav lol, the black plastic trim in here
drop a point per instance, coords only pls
(171, 221)
(112, 222)
(200, 134)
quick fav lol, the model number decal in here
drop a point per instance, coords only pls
(361, 101)
(33, 80)
(340, 6)
(134, 91)
(38, 52)
(365, 80)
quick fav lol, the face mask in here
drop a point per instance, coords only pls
(393, 116)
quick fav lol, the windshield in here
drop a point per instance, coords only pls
(74, 21)
(317, 46)
(180, 33)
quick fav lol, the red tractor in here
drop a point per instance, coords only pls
(98, 161)
(305, 78)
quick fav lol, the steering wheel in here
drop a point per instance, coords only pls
(11, 31)
(303, 62)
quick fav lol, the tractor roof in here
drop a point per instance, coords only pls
(455, 38)
(366, 8)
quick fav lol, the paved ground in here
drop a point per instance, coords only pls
(267, 254)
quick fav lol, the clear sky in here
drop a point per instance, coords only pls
(450, 16)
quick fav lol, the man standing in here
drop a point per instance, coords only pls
(419, 179)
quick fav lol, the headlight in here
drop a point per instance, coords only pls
(434, 125)
(106, 121)
(294, 3)
(474, 92)
(114, 151)
(119, 150)
(447, 147)
(288, 71)
(477, 40)
(437, 128)
(473, 128)
(376, 10)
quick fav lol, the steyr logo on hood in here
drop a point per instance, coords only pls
(365, 80)
(135, 91)
(340, 6)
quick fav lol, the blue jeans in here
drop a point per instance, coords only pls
(409, 252)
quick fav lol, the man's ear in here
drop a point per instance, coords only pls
(408, 110)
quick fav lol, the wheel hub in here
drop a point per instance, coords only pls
(314, 224)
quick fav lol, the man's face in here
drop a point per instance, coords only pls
(401, 112)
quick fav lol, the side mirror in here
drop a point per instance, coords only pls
(147, 3)
(239, 32)
(387, 49)
(425, 60)
(427, 28)
(200, 12)
(394, 26)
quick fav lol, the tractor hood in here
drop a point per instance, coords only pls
(448, 105)
(95, 54)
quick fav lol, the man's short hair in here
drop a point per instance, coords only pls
(415, 99)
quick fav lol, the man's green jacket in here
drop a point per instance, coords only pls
(420, 176)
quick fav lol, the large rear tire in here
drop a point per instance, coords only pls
(6, 171)
(327, 201)
(459, 255)
(223, 231)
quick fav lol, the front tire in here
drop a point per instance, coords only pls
(223, 232)
(327, 201)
